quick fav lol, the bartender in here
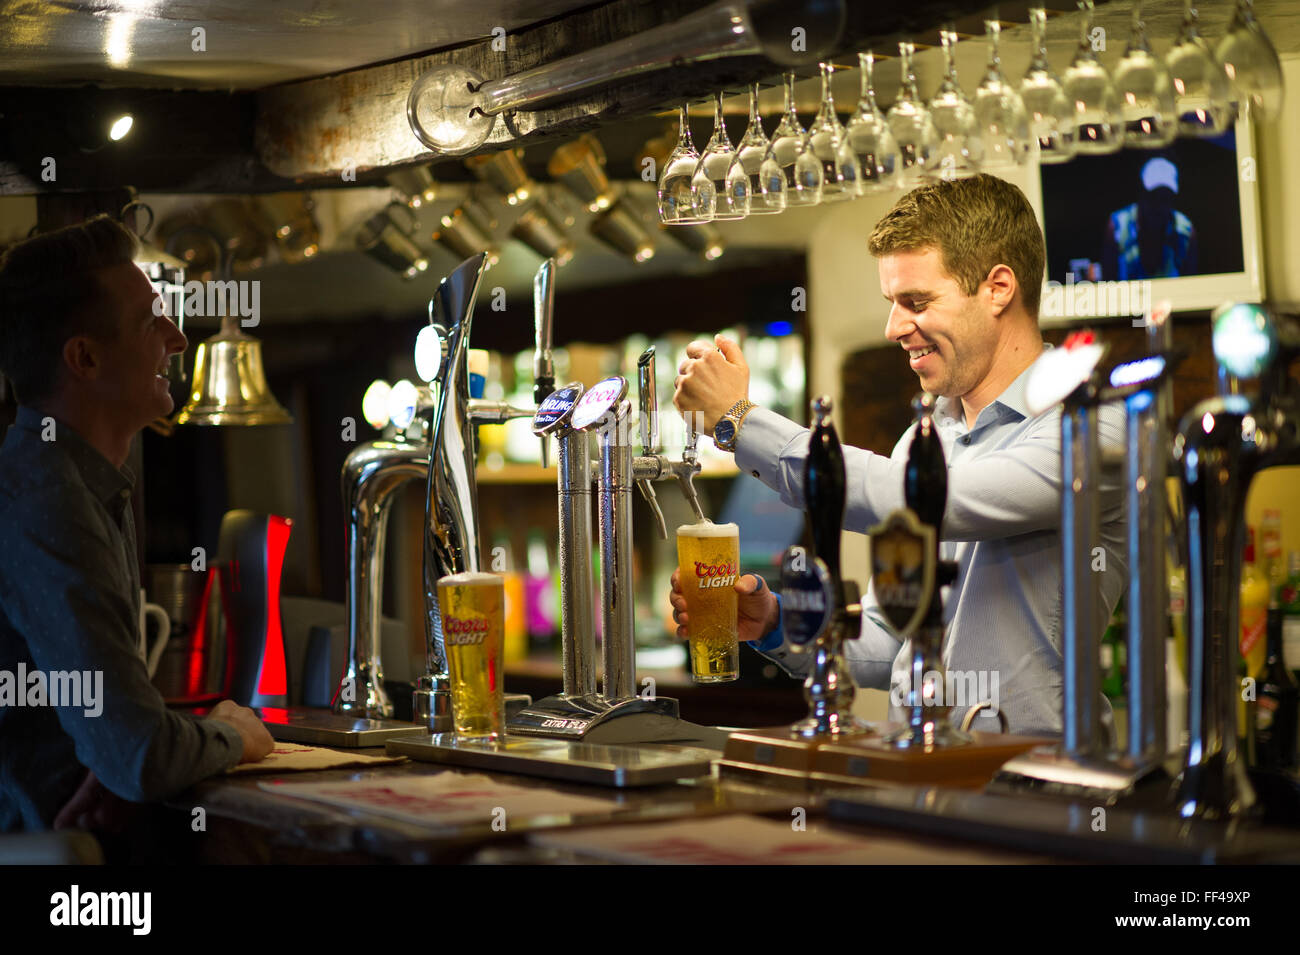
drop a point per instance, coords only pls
(961, 266)
(85, 348)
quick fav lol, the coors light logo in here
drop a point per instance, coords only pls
(709, 576)
(459, 631)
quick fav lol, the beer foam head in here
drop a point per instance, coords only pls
(709, 529)
(472, 578)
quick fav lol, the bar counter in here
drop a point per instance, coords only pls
(246, 824)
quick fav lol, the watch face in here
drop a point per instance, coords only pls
(724, 432)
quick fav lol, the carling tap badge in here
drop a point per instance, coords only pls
(902, 569)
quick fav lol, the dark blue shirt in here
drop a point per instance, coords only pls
(69, 605)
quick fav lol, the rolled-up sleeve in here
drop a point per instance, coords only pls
(75, 619)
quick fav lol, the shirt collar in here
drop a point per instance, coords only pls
(106, 482)
(1012, 398)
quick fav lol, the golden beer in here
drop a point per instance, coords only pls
(708, 562)
(472, 606)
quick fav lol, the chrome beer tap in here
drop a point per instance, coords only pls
(1222, 443)
(372, 475)
(451, 541)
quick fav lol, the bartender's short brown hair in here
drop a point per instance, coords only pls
(48, 292)
(975, 224)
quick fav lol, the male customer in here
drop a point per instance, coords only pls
(85, 350)
(961, 265)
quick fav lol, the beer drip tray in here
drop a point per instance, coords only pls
(315, 727)
(600, 765)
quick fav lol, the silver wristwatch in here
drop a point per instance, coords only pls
(728, 426)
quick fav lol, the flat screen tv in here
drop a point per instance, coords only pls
(1139, 226)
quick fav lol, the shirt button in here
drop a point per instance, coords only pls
(755, 473)
(125, 495)
(965, 439)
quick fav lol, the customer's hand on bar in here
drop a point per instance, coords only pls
(257, 741)
(711, 378)
(756, 608)
(94, 808)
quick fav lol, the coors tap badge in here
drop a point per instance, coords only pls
(473, 626)
(708, 563)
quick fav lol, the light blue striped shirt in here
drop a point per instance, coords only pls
(1003, 614)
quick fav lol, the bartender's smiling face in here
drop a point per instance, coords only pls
(950, 338)
(130, 380)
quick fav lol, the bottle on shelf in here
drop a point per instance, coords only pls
(1277, 708)
(1114, 656)
(502, 561)
(1251, 643)
(1270, 544)
(541, 593)
(1289, 602)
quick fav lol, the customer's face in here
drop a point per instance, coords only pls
(130, 381)
(949, 337)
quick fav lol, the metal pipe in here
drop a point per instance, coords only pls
(614, 507)
(719, 30)
(577, 614)
(1080, 530)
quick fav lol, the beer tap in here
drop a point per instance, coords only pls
(912, 592)
(1222, 443)
(372, 475)
(829, 687)
(544, 326)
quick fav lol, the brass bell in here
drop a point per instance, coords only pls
(230, 384)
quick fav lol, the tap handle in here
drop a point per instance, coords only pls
(692, 436)
(824, 486)
(651, 498)
(544, 328)
(645, 377)
(925, 480)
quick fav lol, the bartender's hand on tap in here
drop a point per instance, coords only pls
(257, 741)
(756, 608)
(711, 378)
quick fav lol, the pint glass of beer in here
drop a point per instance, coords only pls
(472, 607)
(708, 560)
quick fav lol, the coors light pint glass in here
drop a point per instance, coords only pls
(472, 606)
(708, 560)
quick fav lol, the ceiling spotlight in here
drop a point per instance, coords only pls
(414, 186)
(537, 228)
(386, 240)
(622, 230)
(580, 165)
(504, 172)
(458, 233)
(703, 239)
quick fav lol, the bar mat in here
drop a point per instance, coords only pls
(295, 758)
(448, 798)
(750, 840)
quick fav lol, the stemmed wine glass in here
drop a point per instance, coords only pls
(1051, 115)
(719, 183)
(1252, 65)
(792, 150)
(840, 170)
(910, 122)
(676, 203)
(1201, 89)
(869, 136)
(750, 152)
(1000, 115)
(1146, 92)
(957, 152)
(1087, 85)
